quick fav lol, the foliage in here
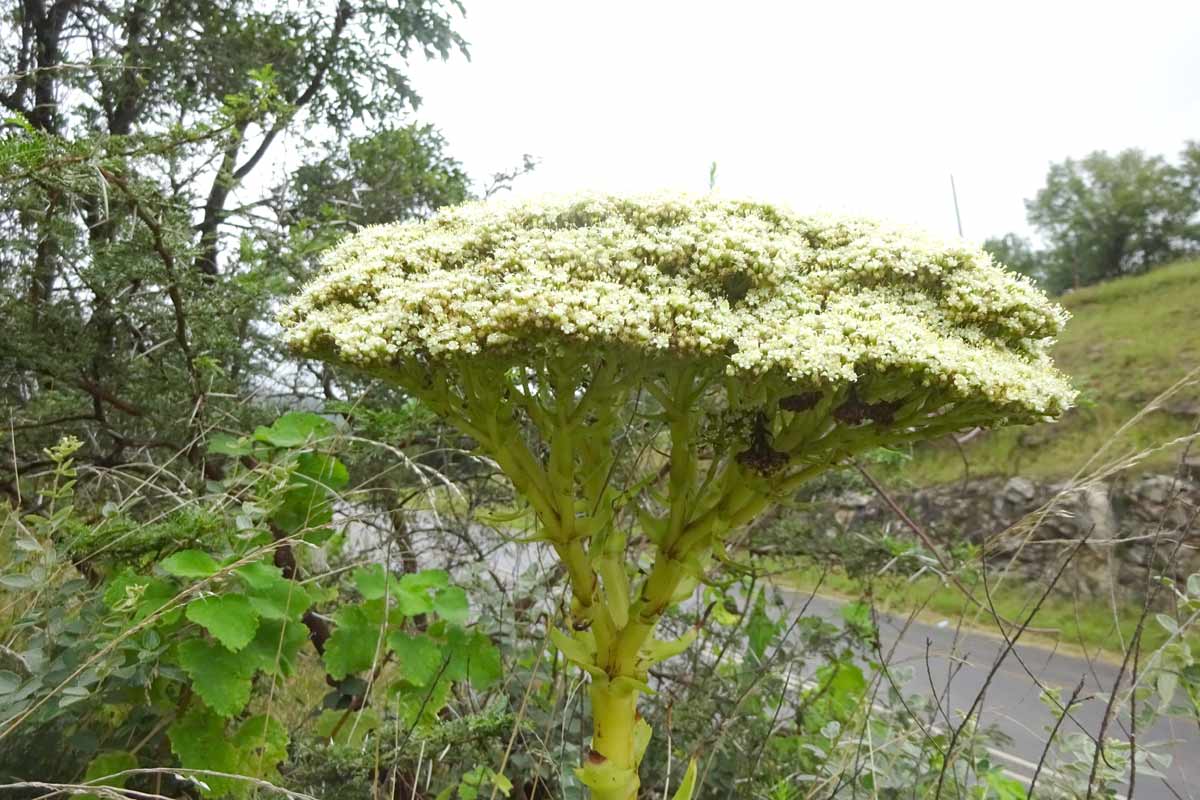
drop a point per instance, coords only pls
(144, 242)
(184, 658)
(1107, 216)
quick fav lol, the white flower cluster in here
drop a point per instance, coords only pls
(754, 287)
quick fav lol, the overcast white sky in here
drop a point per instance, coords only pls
(863, 107)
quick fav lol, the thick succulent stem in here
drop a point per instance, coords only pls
(614, 741)
(619, 735)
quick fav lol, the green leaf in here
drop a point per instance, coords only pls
(573, 649)
(473, 657)
(689, 783)
(322, 469)
(416, 588)
(109, 763)
(351, 727)
(221, 678)
(427, 579)
(415, 593)
(198, 739)
(657, 650)
(858, 617)
(16, 581)
(420, 657)
(473, 785)
(304, 507)
(294, 429)
(9, 681)
(230, 618)
(190, 564)
(272, 595)
(1006, 788)
(451, 605)
(641, 739)
(260, 575)
(760, 629)
(226, 445)
(142, 595)
(275, 647)
(374, 582)
(261, 743)
(352, 646)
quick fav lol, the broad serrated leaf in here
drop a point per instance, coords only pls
(420, 657)
(347, 728)
(272, 595)
(198, 739)
(352, 646)
(226, 445)
(229, 617)
(451, 605)
(472, 657)
(303, 508)
(142, 595)
(9, 681)
(108, 764)
(190, 564)
(294, 429)
(275, 646)
(221, 678)
(261, 743)
(426, 579)
(374, 582)
(322, 469)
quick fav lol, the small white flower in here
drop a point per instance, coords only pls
(754, 289)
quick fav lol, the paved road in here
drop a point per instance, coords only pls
(1012, 701)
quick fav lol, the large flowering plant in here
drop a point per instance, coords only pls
(653, 372)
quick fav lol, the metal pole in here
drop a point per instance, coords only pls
(957, 216)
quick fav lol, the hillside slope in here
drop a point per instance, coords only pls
(1127, 341)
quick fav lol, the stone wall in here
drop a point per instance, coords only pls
(1150, 521)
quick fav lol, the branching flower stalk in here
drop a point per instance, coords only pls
(652, 373)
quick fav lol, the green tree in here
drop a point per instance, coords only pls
(1018, 254)
(1105, 216)
(142, 243)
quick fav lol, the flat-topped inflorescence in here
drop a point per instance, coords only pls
(748, 287)
(652, 373)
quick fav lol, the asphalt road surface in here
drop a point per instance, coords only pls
(1012, 703)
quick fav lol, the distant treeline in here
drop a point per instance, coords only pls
(1105, 216)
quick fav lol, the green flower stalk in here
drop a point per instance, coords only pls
(653, 372)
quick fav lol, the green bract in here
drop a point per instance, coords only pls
(655, 371)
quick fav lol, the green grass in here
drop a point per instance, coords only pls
(1127, 341)
(1081, 626)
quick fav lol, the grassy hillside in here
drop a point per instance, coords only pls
(1127, 341)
